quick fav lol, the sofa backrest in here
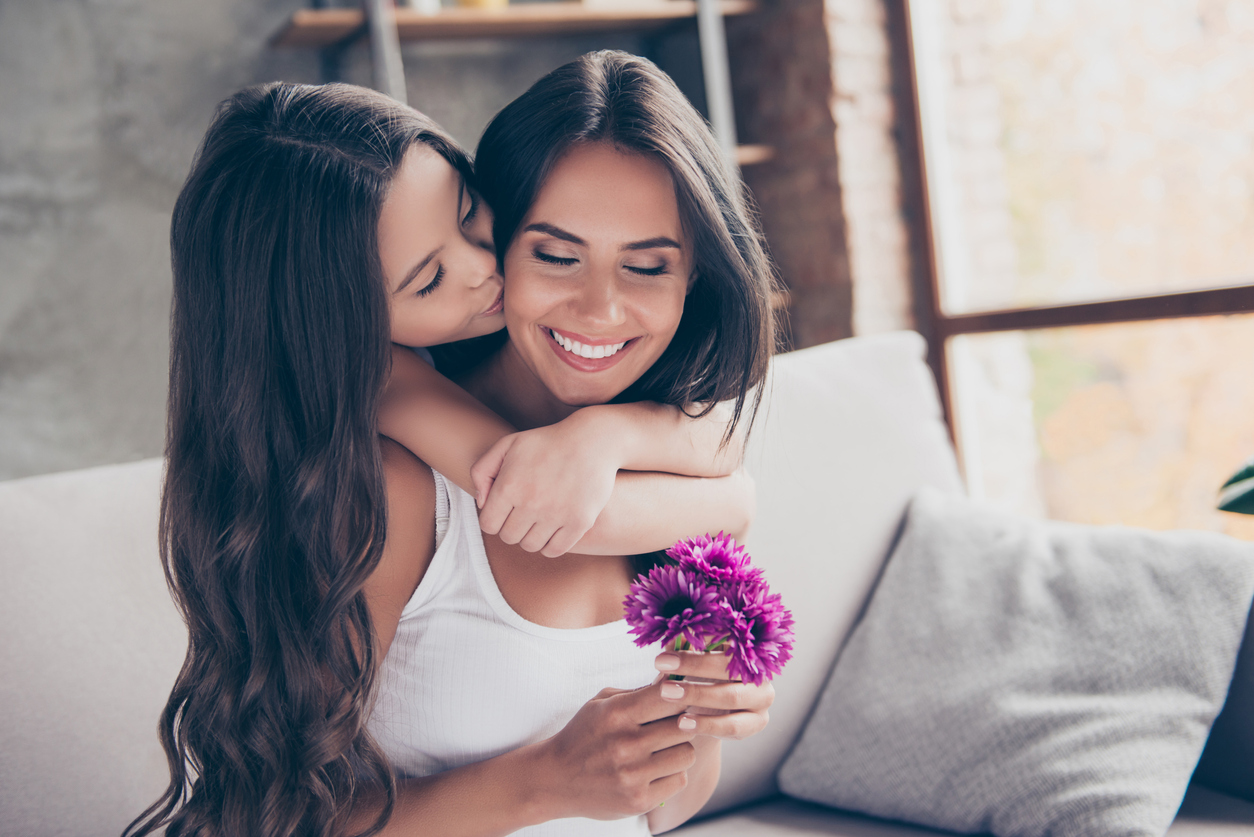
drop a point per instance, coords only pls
(90, 642)
(849, 431)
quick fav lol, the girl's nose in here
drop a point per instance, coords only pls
(481, 259)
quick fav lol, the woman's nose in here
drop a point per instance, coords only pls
(600, 301)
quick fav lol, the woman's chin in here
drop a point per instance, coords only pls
(584, 396)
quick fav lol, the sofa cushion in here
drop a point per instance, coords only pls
(90, 643)
(1027, 677)
(848, 431)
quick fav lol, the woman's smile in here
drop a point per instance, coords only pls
(585, 353)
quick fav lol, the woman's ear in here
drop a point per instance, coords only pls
(692, 280)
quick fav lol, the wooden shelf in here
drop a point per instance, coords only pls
(326, 27)
(751, 155)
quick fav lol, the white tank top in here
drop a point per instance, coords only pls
(466, 678)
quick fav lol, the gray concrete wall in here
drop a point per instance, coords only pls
(101, 107)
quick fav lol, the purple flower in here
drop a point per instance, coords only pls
(718, 558)
(759, 631)
(668, 603)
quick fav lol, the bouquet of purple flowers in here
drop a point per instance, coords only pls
(712, 599)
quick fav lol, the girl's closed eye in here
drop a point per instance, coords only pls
(433, 284)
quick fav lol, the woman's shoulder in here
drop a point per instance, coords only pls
(410, 544)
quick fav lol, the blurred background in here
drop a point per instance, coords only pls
(1059, 195)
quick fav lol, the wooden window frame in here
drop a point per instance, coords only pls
(936, 326)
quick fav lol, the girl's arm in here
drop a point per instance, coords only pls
(622, 754)
(558, 489)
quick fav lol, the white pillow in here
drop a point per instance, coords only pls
(1026, 677)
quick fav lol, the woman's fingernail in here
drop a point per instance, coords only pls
(666, 662)
(687, 722)
(672, 690)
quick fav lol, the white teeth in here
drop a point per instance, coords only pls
(590, 352)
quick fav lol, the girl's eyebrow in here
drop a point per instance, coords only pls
(558, 232)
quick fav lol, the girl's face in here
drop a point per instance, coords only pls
(598, 272)
(435, 243)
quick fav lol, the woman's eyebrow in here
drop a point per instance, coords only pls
(558, 232)
(416, 269)
(651, 243)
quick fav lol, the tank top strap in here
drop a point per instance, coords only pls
(442, 507)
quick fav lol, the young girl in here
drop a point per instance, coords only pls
(273, 517)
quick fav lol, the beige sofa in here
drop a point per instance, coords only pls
(91, 641)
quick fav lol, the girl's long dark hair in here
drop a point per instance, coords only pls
(273, 512)
(728, 331)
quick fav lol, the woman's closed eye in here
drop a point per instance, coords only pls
(649, 271)
(566, 261)
(549, 258)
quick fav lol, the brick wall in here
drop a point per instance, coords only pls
(815, 79)
(782, 78)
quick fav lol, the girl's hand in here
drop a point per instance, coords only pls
(623, 754)
(543, 489)
(723, 708)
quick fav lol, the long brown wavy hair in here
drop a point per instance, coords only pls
(273, 512)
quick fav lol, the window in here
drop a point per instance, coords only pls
(1089, 173)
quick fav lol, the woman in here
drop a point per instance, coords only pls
(273, 516)
(620, 231)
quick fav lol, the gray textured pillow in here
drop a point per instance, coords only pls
(1024, 678)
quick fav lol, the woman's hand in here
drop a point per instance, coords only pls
(723, 708)
(543, 489)
(623, 754)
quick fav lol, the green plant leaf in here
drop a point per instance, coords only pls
(1237, 494)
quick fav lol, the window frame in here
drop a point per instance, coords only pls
(937, 326)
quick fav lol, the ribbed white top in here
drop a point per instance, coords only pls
(467, 678)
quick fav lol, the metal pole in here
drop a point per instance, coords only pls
(713, 38)
(385, 49)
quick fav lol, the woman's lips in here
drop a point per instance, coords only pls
(587, 364)
(496, 306)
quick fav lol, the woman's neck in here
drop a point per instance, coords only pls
(509, 388)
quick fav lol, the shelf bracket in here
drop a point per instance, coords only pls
(385, 49)
(713, 38)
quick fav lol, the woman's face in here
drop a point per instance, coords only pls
(435, 243)
(597, 274)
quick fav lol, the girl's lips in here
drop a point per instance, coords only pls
(586, 364)
(495, 307)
